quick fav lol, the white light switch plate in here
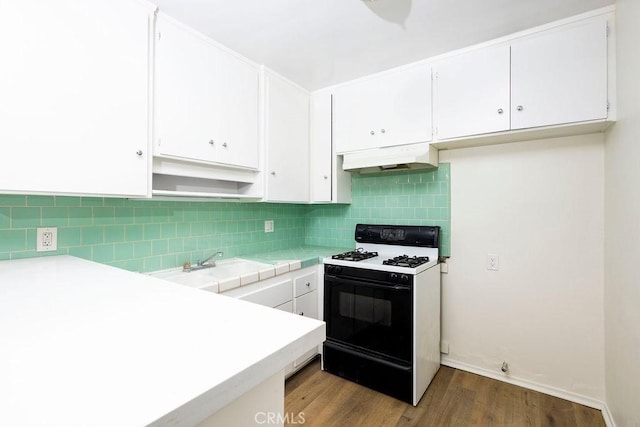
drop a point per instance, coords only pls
(493, 262)
(268, 226)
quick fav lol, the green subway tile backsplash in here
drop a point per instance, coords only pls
(420, 197)
(147, 235)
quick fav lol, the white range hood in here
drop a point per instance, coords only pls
(403, 157)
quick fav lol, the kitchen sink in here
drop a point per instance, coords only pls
(227, 274)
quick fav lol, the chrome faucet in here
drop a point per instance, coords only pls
(202, 263)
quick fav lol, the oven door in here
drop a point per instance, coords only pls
(370, 316)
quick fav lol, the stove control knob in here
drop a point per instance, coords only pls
(404, 278)
(334, 269)
(393, 276)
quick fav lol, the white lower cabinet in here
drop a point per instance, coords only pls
(306, 282)
(305, 303)
(277, 292)
(307, 306)
(293, 292)
(287, 306)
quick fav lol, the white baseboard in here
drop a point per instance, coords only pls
(562, 394)
(608, 418)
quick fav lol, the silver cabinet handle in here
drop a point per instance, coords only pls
(500, 111)
(273, 173)
(326, 177)
(139, 153)
(302, 313)
(382, 131)
(224, 144)
(308, 284)
(372, 133)
(211, 142)
(519, 108)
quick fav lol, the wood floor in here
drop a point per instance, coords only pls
(454, 398)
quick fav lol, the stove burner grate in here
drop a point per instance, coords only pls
(406, 261)
(357, 255)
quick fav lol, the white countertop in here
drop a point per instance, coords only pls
(87, 344)
(227, 274)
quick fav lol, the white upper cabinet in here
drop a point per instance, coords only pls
(74, 85)
(206, 100)
(471, 93)
(286, 140)
(320, 147)
(560, 76)
(329, 182)
(552, 77)
(387, 110)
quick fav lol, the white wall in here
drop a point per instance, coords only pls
(622, 248)
(538, 205)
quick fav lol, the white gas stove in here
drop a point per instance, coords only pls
(382, 310)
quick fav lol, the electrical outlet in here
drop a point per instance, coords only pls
(47, 239)
(268, 226)
(493, 262)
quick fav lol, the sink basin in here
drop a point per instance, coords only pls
(227, 274)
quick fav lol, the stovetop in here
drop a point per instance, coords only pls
(406, 261)
(355, 255)
(378, 257)
(400, 261)
(394, 248)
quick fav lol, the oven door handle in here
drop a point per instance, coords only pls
(344, 280)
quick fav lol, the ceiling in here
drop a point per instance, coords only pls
(320, 43)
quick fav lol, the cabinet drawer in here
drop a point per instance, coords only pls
(304, 284)
(272, 296)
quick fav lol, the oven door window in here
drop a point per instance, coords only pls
(371, 316)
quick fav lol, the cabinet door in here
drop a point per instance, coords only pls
(355, 116)
(74, 104)
(307, 306)
(287, 306)
(206, 99)
(287, 141)
(275, 295)
(320, 146)
(471, 93)
(238, 93)
(560, 76)
(393, 109)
